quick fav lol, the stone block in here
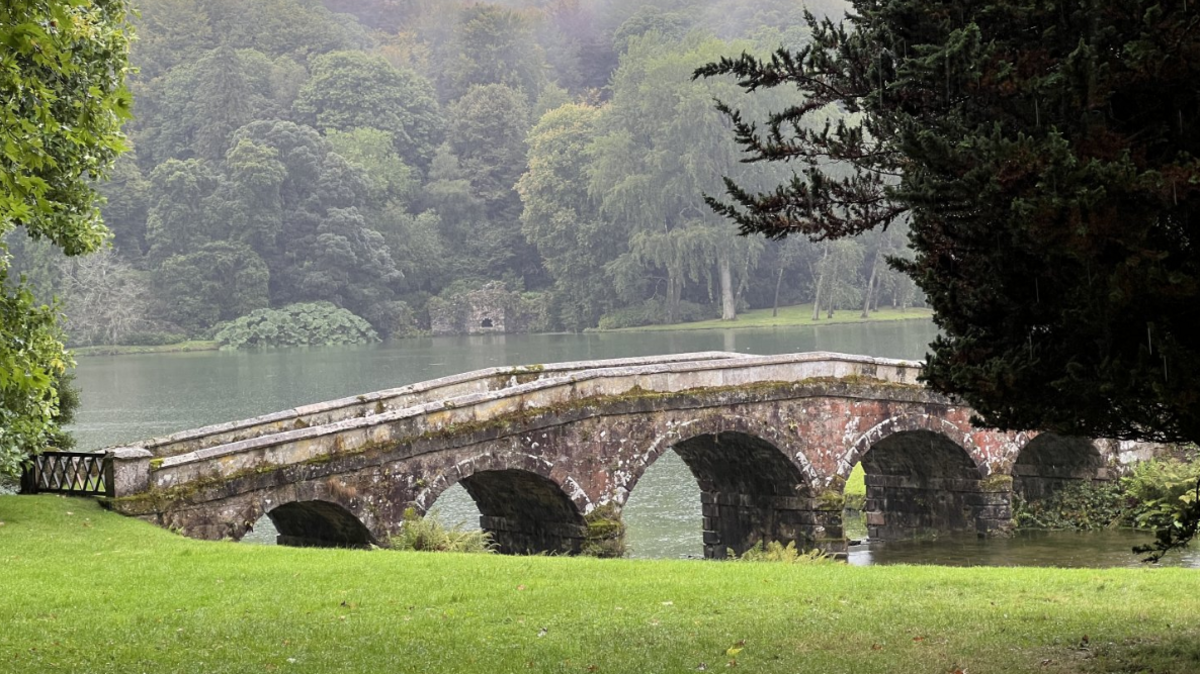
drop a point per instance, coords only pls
(127, 471)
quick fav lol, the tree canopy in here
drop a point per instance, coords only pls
(1046, 156)
(62, 74)
(373, 159)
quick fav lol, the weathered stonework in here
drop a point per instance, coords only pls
(127, 471)
(490, 309)
(770, 441)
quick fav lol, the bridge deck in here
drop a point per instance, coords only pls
(351, 424)
(393, 399)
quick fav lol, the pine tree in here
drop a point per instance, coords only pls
(1046, 153)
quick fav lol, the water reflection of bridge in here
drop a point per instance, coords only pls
(551, 453)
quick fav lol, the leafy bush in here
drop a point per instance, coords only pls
(654, 312)
(778, 552)
(427, 534)
(304, 324)
(1085, 505)
(1159, 488)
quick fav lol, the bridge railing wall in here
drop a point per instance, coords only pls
(390, 400)
(406, 425)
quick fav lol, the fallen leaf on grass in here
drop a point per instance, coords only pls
(918, 638)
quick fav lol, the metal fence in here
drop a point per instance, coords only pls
(75, 473)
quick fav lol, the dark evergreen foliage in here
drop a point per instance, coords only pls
(1046, 154)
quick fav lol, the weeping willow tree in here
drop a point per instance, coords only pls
(660, 147)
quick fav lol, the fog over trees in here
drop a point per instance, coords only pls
(388, 156)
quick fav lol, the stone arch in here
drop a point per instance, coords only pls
(781, 444)
(319, 524)
(923, 478)
(1049, 462)
(754, 484)
(900, 424)
(336, 501)
(522, 505)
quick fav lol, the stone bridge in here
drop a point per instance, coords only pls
(551, 453)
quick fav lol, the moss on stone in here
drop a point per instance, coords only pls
(605, 532)
(996, 482)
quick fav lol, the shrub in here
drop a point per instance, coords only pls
(778, 552)
(1084, 505)
(305, 324)
(427, 534)
(1158, 488)
(654, 312)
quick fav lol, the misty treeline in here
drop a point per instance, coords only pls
(389, 156)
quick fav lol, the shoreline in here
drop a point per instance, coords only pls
(795, 316)
(128, 350)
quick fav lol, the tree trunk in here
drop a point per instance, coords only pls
(778, 282)
(728, 303)
(833, 279)
(816, 316)
(870, 291)
(674, 292)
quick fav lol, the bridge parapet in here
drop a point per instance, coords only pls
(473, 410)
(413, 395)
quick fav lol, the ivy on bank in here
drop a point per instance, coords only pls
(1148, 498)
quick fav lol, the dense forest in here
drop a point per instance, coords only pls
(368, 164)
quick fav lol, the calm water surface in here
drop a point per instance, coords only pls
(126, 398)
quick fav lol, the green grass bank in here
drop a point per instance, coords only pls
(90, 591)
(125, 350)
(789, 317)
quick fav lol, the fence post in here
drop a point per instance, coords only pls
(29, 477)
(126, 471)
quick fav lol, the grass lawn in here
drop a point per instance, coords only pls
(119, 350)
(789, 317)
(90, 591)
